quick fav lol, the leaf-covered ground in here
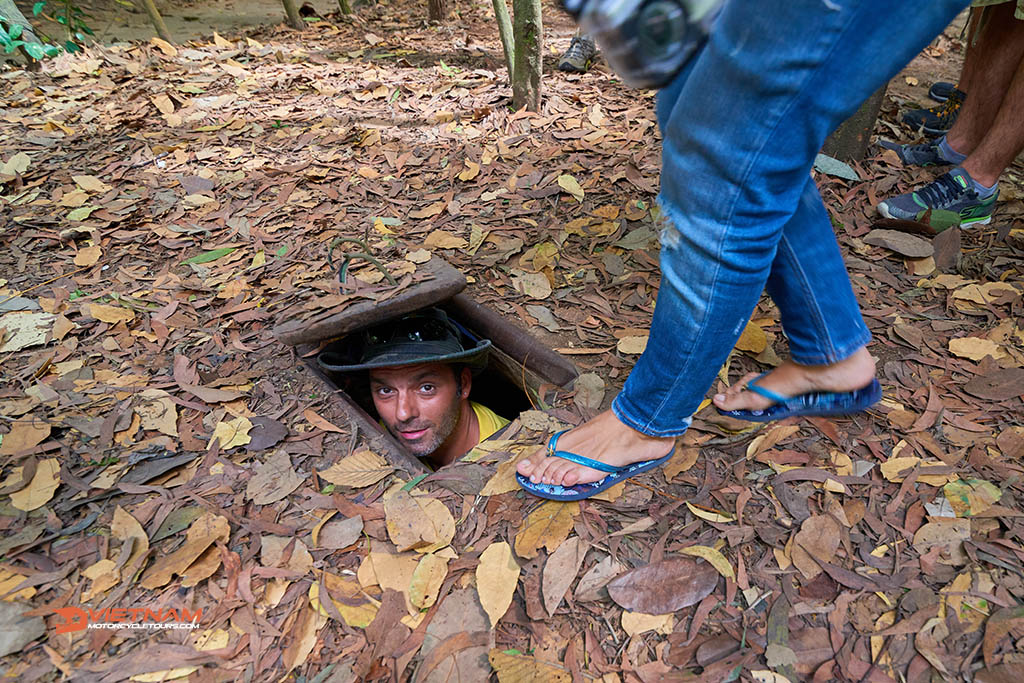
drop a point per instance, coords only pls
(164, 207)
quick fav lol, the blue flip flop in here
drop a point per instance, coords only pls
(581, 491)
(824, 403)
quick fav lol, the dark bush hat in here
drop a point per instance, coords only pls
(427, 336)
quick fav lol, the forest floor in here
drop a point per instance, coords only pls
(164, 207)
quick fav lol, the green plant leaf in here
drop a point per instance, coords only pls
(16, 31)
(38, 7)
(208, 256)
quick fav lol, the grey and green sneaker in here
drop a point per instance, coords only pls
(953, 191)
(580, 54)
(926, 154)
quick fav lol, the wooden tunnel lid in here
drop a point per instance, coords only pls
(436, 280)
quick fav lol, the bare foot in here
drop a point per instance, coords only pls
(791, 379)
(603, 438)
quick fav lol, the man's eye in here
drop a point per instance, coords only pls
(427, 388)
(383, 391)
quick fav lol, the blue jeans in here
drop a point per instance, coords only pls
(741, 127)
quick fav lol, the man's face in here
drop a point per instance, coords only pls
(419, 404)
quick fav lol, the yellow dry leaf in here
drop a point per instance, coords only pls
(681, 461)
(104, 576)
(88, 256)
(635, 623)
(975, 348)
(164, 46)
(632, 345)
(504, 478)
(427, 579)
(753, 339)
(127, 529)
(203, 533)
(8, 581)
(40, 490)
(417, 522)
(472, 170)
(710, 515)
(496, 578)
(571, 185)
(896, 469)
(886, 620)
(91, 183)
(774, 436)
(231, 434)
(439, 239)
(356, 608)
(713, 557)
(25, 434)
(111, 314)
(303, 636)
(320, 422)
(842, 463)
(513, 668)
(547, 526)
(158, 412)
(988, 293)
(362, 468)
(164, 675)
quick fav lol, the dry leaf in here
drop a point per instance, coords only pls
(419, 523)
(90, 183)
(504, 479)
(426, 580)
(104, 576)
(111, 314)
(42, 487)
(818, 539)
(302, 637)
(321, 423)
(158, 412)
(88, 256)
(472, 170)
(681, 461)
(22, 329)
(753, 339)
(533, 285)
(362, 468)
(714, 557)
(572, 186)
(272, 480)
(560, 571)
(335, 534)
(202, 534)
(231, 434)
(547, 526)
(496, 578)
(632, 345)
(24, 435)
(635, 623)
(513, 668)
(272, 552)
(127, 529)
(664, 587)
(975, 348)
(439, 239)
(710, 515)
(356, 608)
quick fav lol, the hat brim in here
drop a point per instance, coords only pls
(475, 357)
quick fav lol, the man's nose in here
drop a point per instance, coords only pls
(406, 406)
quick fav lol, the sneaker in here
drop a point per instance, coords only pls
(936, 120)
(926, 154)
(952, 191)
(578, 57)
(941, 90)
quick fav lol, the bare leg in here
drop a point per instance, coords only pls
(989, 69)
(1004, 140)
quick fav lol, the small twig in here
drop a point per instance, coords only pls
(43, 284)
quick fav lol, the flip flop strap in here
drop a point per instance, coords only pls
(578, 459)
(767, 393)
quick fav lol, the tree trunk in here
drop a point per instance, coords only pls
(345, 6)
(438, 10)
(850, 141)
(157, 20)
(528, 40)
(292, 14)
(13, 15)
(508, 45)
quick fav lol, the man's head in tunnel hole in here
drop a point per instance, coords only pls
(424, 406)
(421, 369)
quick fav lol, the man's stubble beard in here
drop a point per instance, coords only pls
(443, 431)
